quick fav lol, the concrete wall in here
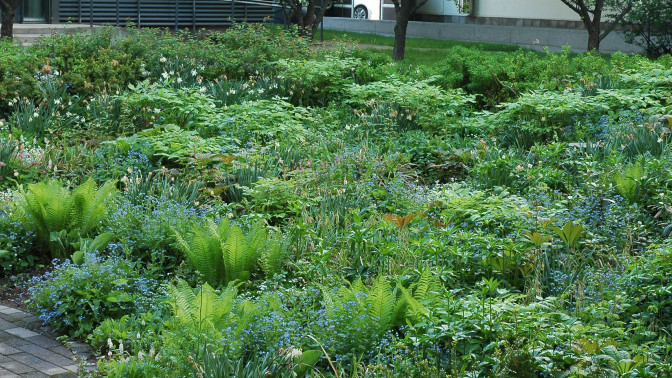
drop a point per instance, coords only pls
(439, 7)
(531, 37)
(533, 9)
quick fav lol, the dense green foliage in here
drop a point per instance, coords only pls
(289, 210)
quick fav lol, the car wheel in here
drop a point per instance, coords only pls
(360, 13)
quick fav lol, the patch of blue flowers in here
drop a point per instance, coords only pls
(75, 299)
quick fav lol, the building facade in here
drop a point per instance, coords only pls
(539, 13)
(164, 13)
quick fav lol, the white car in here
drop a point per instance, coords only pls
(366, 9)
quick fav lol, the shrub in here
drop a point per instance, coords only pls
(265, 122)
(75, 299)
(252, 49)
(92, 61)
(150, 104)
(429, 106)
(317, 82)
(20, 70)
(646, 25)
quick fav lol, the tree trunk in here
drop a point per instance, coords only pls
(400, 36)
(594, 39)
(7, 29)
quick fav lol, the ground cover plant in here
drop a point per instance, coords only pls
(242, 203)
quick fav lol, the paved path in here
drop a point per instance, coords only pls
(27, 349)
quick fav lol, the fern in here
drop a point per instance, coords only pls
(379, 302)
(425, 290)
(273, 256)
(382, 303)
(203, 253)
(90, 204)
(426, 286)
(415, 310)
(183, 300)
(256, 240)
(222, 253)
(235, 250)
(202, 309)
(49, 208)
(627, 181)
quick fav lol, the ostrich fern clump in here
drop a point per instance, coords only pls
(57, 214)
(223, 253)
(385, 305)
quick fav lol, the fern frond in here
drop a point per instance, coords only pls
(83, 208)
(414, 309)
(329, 301)
(225, 302)
(203, 253)
(426, 287)
(204, 309)
(182, 300)
(234, 255)
(55, 202)
(400, 307)
(273, 256)
(381, 304)
(96, 209)
(256, 241)
(222, 229)
(206, 302)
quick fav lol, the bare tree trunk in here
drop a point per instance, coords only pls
(8, 14)
(404, 10)
(400, 37)
(594, 38)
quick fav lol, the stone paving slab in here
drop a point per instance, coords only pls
(27, 349)
(21, 332)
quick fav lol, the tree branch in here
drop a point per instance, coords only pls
(610, 27)
(572, 6)
(418, 4)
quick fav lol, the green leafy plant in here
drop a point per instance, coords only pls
(204, 309)
(222, 253)
(317, 82)
(155, 104)
(170, 144)
(267, 121)
(570, 233)
(88, 246)
(58, 215)
(75, 299)
(431, 107)
(273, 364)
(8, 152)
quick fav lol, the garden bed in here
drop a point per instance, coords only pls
(243, 204)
